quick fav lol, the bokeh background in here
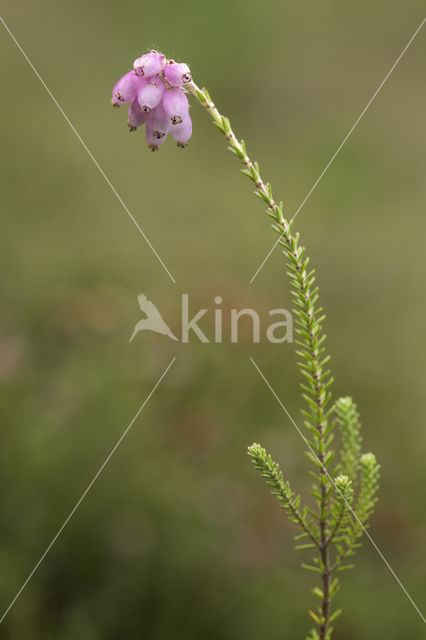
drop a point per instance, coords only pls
(178, 539)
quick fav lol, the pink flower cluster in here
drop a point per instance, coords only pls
(155, 91)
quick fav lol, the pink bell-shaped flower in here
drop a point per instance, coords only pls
(182, 132)
(175, 104)
(177, 74)
(135, 117)
(149, 64)
(157, 128)
(126, 89)
(151, 94)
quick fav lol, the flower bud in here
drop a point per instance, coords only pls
(151, 94)
(126, 89)
(182, 132)
(135, 117)
(157, 127)
(175, 104)
(177, 73)
(149, 64)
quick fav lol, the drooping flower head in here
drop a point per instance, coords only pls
(155, 90)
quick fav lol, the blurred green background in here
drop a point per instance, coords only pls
(178, 539)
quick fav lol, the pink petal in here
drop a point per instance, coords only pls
(135, 116)
(175, 104)
(177, 73)
(149, 64)
(157, 128)
(151, 94)
(182, 132)
(126, 88)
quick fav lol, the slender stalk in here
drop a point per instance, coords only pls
(310, 342)
(336, 526)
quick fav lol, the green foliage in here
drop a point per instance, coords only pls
(335, 525)
(282, 491)
(364, 508)
(350, 427)
(342, 525)
(369, 487)
(341, 507)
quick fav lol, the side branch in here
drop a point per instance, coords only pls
(281, 490)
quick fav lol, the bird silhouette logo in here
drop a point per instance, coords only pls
(153, 320)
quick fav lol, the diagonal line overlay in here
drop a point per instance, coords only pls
(337, 490)
(349, 133)
(86, 148)
(92, 482)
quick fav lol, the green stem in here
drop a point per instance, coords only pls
(309, 327)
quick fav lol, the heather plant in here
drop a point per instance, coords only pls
(343, 488)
